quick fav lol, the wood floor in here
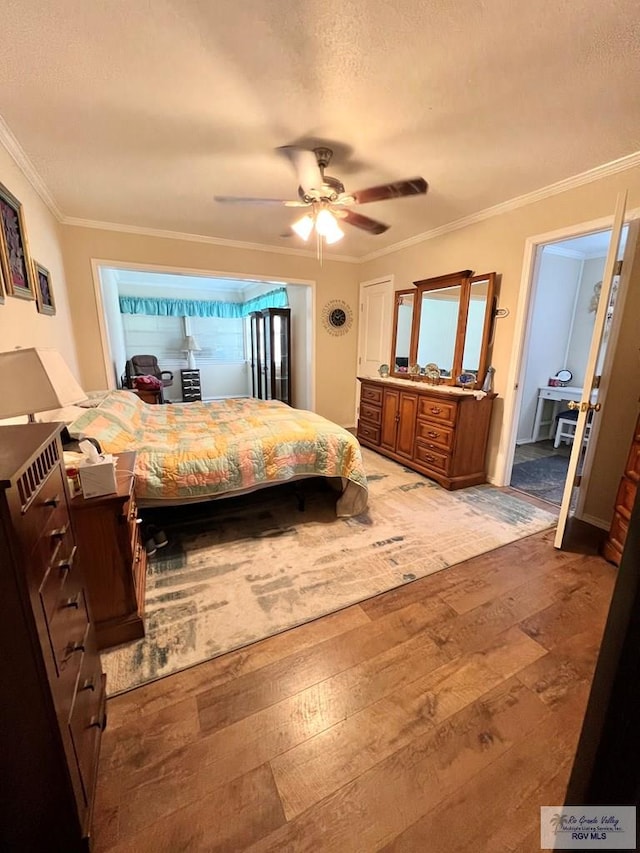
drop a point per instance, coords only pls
(436, 717)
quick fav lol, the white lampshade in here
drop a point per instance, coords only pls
(35, 380)
(303, 227)
(191, 344)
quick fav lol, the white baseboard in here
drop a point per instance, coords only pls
(596, 522)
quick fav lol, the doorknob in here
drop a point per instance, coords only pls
(573, 405)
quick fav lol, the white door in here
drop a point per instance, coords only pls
(587, 403)
(374, 327)
(376, 320)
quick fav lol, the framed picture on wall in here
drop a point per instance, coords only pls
(14, 248)
(44, 292)
(3, 286)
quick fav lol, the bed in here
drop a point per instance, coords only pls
(205, 450)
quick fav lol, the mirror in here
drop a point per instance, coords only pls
(445, 321)
(405, 301)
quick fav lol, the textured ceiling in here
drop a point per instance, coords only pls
(138, 112)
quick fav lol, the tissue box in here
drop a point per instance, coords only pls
(98, 478)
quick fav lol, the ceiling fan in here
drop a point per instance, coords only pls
(330, 204)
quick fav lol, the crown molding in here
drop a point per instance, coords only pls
(201, 238)
(27, 168)
(613, 167)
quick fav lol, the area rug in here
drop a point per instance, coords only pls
(544, 478)
(239, 570)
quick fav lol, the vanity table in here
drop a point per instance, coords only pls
(545, 415)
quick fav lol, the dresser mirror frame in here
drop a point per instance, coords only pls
(459, 339)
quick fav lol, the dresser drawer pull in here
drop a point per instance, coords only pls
(98, 722)
(74, 601)
(88, 684)
(436, 410)
(75, 647)
(432, 434)
(429, 458)
(66, 565)
(60, 532)
(54, 501)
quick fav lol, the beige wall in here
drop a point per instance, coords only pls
(498, 244)
(20, 323)
(335, 357)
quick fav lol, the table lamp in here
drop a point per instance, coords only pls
(35, 380)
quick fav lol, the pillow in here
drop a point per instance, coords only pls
(108, 430)
(66, 415)
(125, 407)
(94, 398)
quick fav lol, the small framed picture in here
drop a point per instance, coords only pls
(14, 248)
(44, 293)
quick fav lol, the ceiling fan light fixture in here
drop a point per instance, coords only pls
(327, 227)
(303, 227)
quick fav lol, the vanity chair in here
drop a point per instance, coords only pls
(566, 428)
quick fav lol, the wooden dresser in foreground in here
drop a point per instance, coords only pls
(113, 558)
(442, 435)
(52, 704)
(625, 499)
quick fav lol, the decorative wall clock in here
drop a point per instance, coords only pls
(337, 317)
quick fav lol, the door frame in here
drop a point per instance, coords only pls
(384, 279)
(522, 324)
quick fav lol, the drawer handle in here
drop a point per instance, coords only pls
(59, 533)
(432, 434)
(74, 601)
(76, 647)
(429, 458)
(436, 410)
(54, 501)
(67, 565)
(88, 684)
(97, 722)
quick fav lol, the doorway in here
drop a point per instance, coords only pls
(564, 298)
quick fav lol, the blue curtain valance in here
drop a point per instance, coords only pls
(202, 307)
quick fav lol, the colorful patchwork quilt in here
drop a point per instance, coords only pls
(204, 450)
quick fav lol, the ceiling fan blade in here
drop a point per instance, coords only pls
(364, 222)
(397, 189)
(240, 199)
(306, 166)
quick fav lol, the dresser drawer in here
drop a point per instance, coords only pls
(68, 626)
(432, 458)
(368, 432)
(87, 718)
(434, 435)
(437, 410)
(43, 512)
(373, 414)
(54, 543)
(626, 497)
(371, 394)
(54, 584)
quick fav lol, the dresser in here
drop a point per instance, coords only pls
(191, 389)
(441, 434)
(113, 558)
(625, 499)
(52, 705)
